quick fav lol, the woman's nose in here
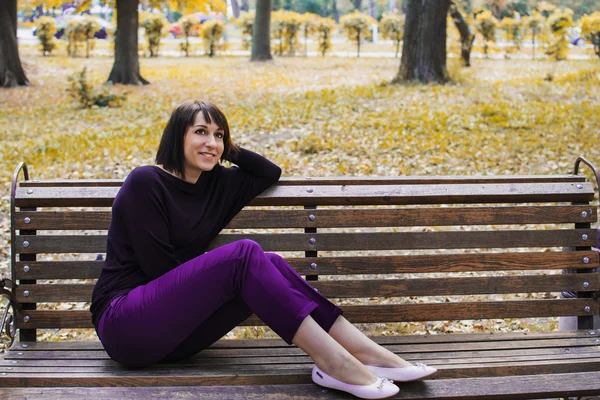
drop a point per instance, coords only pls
(211, 141)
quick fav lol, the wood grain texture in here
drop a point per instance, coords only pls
(375, 313)
(99, 220)
(264, 375)
(37, 244)
(342, 195)
(343, 180)
(439, 349)
(371, 288)
(360, 264)
(409, 340)
(496, 388)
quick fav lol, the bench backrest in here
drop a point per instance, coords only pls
(387, 249)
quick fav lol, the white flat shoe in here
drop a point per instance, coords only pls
(406, 374)
(380, 389)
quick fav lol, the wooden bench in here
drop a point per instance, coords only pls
(391, 251)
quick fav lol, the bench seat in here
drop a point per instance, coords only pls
(388, 250)
(492, 360)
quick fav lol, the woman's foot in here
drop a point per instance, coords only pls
(403, 374)
(381, 388)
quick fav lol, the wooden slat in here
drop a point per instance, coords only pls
(279, 363)
(457, 286)
(444, 263)
(342, 195)
(360, 264)
(409, 340)
(372, 288)
(65, 220)
(511, 387)
(376, 313)
(58, 269)
(435, 349)
(99, 220)
(342, 241)
(415, 240)
(270, 374)
(344, 180)
(441, 358)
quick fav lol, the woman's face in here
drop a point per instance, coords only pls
(202, 147)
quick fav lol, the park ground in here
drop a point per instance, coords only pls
(313, 116)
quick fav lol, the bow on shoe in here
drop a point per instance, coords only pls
(383, 382)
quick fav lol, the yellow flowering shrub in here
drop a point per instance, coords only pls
(80, 32)
(46, 28)
(324, 27)
(285, 27)
(212, 33)
(80, 90)
(486, 24)
(308, 27)
(535, 27)
(391, 27)
(246, 24)
(188, 24)
(357, 26)
(559, 23)
(590, 30)
(512, 32)
(155, 27)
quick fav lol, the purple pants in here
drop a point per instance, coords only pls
(192, 306)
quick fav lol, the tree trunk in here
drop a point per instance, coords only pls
(392, 6)
(424, 49)
(11, 71)
(261, 32)
(466, 37)
(235, 7)
(245, 5)
(126, 68)
(357, 4)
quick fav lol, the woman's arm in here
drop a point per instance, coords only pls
(255, 165)
(143, 210)
(242, 183)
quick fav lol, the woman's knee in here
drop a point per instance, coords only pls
(248, 246)
(274, 258)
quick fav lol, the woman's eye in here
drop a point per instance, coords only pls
(200, 131)
(219, 135)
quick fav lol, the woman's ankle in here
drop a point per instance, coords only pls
(347, 370)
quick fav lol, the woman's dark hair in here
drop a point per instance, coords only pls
(170, 151)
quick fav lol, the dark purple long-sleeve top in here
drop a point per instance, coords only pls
(160, 221)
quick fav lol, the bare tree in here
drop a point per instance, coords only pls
(466, 36)
(11, 70)
(424, 48)
(126, 68)
(261, 32)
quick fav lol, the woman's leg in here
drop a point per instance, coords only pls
(363, 348)
(327, 312)
(146, 325)
(236, 311)
(212, 329)
(344, 333)
(330, 356)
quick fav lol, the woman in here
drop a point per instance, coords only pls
(164, 218)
